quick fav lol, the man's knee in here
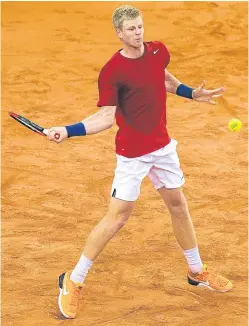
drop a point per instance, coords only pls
(120, 218)
(176, 199)
(119, 212)
(177, 202)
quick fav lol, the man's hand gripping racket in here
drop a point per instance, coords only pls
(56, 134)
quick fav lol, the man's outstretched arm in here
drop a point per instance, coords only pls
(99, 121)
(174, 86)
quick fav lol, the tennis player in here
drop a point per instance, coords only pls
(133, 87)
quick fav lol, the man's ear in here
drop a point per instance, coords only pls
(119, 33)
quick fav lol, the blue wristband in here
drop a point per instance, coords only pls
(77, 129)
(184, 91)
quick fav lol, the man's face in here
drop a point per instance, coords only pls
(132, 32)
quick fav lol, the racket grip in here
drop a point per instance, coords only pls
(56, 135)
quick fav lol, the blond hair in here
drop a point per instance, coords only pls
(122, 13)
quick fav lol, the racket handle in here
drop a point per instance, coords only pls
(56, 135)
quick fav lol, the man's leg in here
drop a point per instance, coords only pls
(70, 283)
(185, 234)
(181, 221)
(182, 226)
(118, 214)
(126, 186)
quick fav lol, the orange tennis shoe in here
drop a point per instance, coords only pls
(209, 280)
(69, 296)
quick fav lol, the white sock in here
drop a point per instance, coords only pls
(80, 271)
(193, 259)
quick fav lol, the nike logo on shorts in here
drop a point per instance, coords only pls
(114, 193)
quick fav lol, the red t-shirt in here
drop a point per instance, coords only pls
(137, 88)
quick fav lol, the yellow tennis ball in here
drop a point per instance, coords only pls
(234, 124)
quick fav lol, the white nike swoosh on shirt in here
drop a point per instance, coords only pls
(156, 51)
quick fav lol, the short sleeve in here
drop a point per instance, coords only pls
(166, 54)
(108, 92)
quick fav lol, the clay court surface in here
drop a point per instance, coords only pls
(53, 195)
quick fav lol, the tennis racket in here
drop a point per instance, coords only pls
(31, 125)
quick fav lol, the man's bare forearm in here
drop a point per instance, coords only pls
(99, 121)
(171, 82)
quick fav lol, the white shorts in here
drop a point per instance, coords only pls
(162, 167)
